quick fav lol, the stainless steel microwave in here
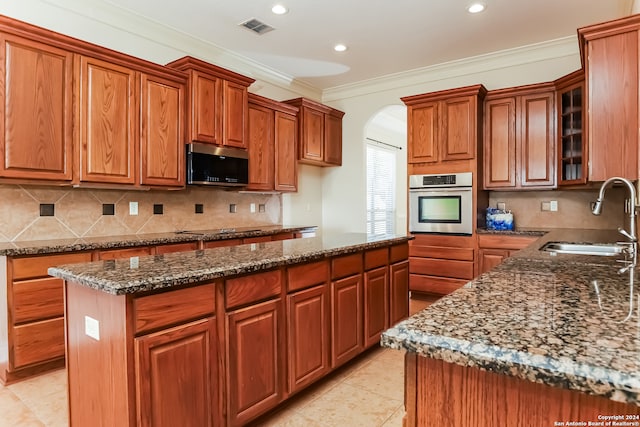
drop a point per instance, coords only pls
(212, 165)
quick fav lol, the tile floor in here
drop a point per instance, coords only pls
(366, 392)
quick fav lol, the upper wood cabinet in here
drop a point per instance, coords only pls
(320, 133)
(272, 137)
(612, 71)
(217, 103)
(36, 110)
(162, 133)
(445, 125)
(519, 138)
(108, 122)
(572, 148)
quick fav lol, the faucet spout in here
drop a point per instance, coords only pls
(597, 207)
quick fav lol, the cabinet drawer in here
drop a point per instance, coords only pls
(37, 299)
(347, 265)
(170, 308)
(176, 247)
(443, 252)
(257, 239)
(441, 267)
(434, 285)
(283, 236)
(505, 242)
(253, 288)
(303, 276)
(376, 258)
(222, 243)
(38, 342)
(30, 267)
(124, 253)
(398, 252)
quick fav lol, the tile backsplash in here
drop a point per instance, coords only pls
(80, 212)
(574, 210)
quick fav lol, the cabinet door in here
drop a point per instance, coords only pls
(205, 108)
(236, 98)
(255, 361)
(376, 304)
(108, 125)
(333, 140)
(489, 258)
(36, 112)
(423, 135)
(347, 315)
(612, 98)
(286, 160)
(308, 342)
(500, 143)
(459, 128)
(398, 292)
(261, 148)
(312, 135)
(536, 145)
(162, 136)
(176, 376)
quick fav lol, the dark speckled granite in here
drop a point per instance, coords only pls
(564, 320)
(38, 247)
(154, 272)
(516, 232)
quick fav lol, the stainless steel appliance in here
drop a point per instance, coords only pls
(441, 204)
(211, 165)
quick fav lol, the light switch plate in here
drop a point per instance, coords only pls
(92, 328)
(553, 206)
(252, 208)
(133, 208)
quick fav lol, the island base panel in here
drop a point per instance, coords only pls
(448, 395)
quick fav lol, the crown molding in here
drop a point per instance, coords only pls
(123, 20)
(539, 52)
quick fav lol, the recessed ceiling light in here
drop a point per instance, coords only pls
(340, 47)
(279, 9)
(476, 7)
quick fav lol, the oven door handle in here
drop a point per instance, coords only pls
(440, 190)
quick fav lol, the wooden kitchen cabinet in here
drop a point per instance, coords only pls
(376, 295)
(612, 71)
(347, 313)
(162, 133)
(308, 323)
(32, 335)
(495, 248)
(36, 115)
(272, 140)
(572, 150)
(519, 138)
(398, 283)
(319, 133)
(176, 376)
(441, 264)
(444, 126)
(108, 122)
(217, 105)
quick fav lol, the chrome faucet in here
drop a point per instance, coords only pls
(633, 208)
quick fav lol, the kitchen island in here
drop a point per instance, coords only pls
(220, 336)
(540, 340)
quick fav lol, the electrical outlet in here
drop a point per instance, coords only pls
(546, 206)
(553, 206)
(232, 208)
(252, 208)
(262, 207)
(92, 328)
(502, 206)
(133, 208)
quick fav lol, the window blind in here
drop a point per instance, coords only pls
(381, 194)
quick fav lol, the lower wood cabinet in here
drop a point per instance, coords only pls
(398, 291)
(489, 258)
(176, 376)
(376, 304)
(495, 248)
(255, 361)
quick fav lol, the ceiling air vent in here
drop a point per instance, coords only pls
(257, 26)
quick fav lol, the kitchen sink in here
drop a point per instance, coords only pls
(601, 249)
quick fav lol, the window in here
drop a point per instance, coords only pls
(381, 194)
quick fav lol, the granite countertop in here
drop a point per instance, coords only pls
(38, 247)
(154, 272)
(516, 232)
(563, 320)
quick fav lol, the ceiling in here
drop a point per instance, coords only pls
(383, 37)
